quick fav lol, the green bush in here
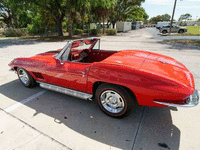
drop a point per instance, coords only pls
(78, 31)
(111, 31)
(1, 32)
(86, 30)
(35, 30)
(12, 32)
(95, 31)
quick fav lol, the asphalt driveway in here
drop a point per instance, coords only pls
(41, 119)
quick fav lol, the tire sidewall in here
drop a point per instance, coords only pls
(181, 31)
(121, 92)
(30, 79)
(164, 32)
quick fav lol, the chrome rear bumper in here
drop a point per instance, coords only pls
(192, 101)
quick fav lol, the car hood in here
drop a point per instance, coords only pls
(155, 64)
(36, 60)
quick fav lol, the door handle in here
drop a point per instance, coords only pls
(81, 72)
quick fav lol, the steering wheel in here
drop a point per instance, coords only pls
(77, 57)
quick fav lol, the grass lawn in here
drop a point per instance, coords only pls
(193, 29)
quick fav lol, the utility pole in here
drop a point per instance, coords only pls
(172, 16)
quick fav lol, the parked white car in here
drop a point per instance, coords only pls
(161, 24)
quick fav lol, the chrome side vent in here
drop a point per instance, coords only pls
(66, 91)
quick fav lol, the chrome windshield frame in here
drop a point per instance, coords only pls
(58, 56)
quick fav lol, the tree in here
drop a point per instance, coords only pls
(186, 16)
(77, 12)
(137, 14)
(165, 17)
(14, 13)
(58, 9)
(123, 8)
(55, 8)
(102, 9)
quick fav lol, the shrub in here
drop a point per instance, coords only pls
(95, 31)
(78, 31)
(86, 30)
(111, 31)
(34, 30)
(1, 32)
(12, 32)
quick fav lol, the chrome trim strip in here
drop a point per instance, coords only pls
(66, 91)
(192, 101)
(175, 105)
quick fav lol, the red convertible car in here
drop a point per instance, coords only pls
(117, 80)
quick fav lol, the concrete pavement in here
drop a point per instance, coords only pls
(56, 121)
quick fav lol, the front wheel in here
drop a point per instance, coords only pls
(25, 78)
(114, 100)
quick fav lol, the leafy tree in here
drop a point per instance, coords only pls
(165, 17)
(54, 8)
(2, 24)
(102, 9)
(14, 13)
(84, 9)
(186, 16)
(137, 14)
(58, 9)
(7, 12)
(123, 9)
(77, 13)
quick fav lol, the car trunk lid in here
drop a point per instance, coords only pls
(168, 67)
(130, 58)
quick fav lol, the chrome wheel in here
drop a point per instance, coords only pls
(23, 76)
(112, 101)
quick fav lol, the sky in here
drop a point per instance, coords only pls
(160, 7)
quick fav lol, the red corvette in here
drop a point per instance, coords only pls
(115, 79)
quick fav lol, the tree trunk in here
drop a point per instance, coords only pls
(59, 26)
(83, 24)
(10, 21)
(113, 24)
(103, 26)
(70, 26)
(16, 22)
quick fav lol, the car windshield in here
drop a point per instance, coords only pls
(75, 46)
(82, 44)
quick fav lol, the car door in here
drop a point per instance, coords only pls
(69, 74)
(174, 29)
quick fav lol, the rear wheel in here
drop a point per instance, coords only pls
(114, 100)
(164, 31)
(181, 31)
(25, 78)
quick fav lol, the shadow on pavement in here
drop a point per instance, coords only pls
(180, 46)
(145, 128)
(157, 130)
(5, 42)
